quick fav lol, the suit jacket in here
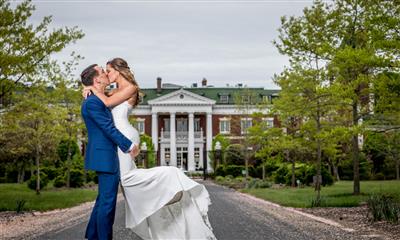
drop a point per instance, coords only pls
(103, 137)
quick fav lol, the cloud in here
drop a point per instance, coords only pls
(182, 42)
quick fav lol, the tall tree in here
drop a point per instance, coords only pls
(24, 47)
(353, 42)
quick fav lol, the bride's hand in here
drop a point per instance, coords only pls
(87, 90)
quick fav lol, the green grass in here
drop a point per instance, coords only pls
(338, 195)
(49, 198)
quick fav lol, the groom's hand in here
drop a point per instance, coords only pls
(134, 152)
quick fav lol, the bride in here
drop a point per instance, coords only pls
(160, 202)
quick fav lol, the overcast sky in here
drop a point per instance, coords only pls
(227, 42)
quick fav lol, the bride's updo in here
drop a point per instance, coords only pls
(122, 67)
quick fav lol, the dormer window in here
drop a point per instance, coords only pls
(224, 99)
(245, 99)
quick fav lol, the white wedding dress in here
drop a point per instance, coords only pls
(147, 191)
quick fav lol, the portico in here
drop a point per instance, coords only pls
(182, 129)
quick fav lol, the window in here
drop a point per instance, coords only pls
(197, 127)
(141, 98)
(224, 125)
(266, 99)
(245, 99)
(245, 123)
(139, 124)
(224, 99)
(166, 124)
(167, 155)
(197, 157)
(269, 122)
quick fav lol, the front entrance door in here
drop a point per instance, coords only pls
(182, 158)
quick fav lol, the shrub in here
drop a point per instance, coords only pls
(220, 171)
(43, 181)
(318, 202)
(219, 178)
(234, 154)
(327, 178)
(234, 170)
(77, 178)
(20, 203)
(258, 183)
(383, 207)
(91, 176)
(59, 182)
(379, 176)
(280, 174)
(51, 172)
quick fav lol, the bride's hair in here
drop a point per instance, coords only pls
(122, 67)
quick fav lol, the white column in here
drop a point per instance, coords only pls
(191, 164)
(172, 139)
(209, 139)
(154, 130)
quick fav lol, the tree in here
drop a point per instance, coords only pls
(352, 42)
(26, 48)
(35, 117)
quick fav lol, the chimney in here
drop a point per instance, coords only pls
(204, 82)
(158, 85)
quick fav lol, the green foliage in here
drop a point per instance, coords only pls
(234, 154)
(383, 207)
(49, 198)
(234, 170)
(59, 182)
(346, 169)
(91, 176)
(151, 154)
(280, 175)
(258, 183)
(220, 171)
(318, 202)
(43, 181)
(77, 178)
(25, 48)
(20, 203)
(51, 172)
(62, 149)
(340, 54)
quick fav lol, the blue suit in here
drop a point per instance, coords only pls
(101, 156)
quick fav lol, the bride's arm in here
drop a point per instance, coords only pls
(117, 97)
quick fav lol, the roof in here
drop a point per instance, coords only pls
(213, 93)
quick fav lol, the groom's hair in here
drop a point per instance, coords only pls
(88, 74)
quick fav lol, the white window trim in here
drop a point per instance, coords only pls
(141, 120)
(228, 120)
(241, 125)
(224, 98)
(267, 119)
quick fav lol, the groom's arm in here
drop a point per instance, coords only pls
(99, 116)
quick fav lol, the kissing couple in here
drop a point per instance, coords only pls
(160, 202)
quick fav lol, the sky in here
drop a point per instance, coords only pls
(181, 41)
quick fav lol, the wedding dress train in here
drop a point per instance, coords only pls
(160, 202)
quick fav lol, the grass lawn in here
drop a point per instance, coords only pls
(49, 198)
(338, 195)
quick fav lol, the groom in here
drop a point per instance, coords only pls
(101, 154)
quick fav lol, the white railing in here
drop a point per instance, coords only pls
(181, 135)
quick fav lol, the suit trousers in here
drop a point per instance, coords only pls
(100, 226)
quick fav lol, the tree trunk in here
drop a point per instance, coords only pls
(293, 173)
(37, 171)
(398, 169)
(263, 171)
(356, 160)
(336, 173)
